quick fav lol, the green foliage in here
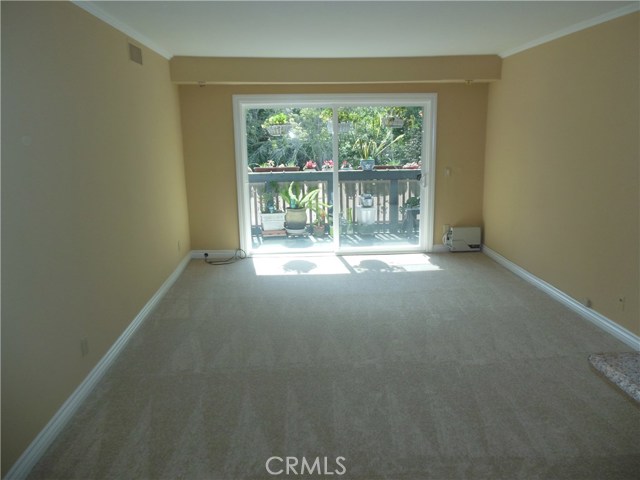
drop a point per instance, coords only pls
(411, 202)
(369, 138)
(295, 197)
(268, 196)
(344, 115)
(369, 148)
(319, 208)
(277, 119)
(310, 139)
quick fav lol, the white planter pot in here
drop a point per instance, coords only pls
(272, 221)
(279, 130)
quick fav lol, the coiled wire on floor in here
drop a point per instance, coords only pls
(239, 254)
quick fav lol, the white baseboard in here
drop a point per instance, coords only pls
(218, 254)
(48, 434)
(594, 317)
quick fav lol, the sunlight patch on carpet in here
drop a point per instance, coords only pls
(408, 262)
(341, 265)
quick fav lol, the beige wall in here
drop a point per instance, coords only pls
(561, 175)
(207, 120)
(94, 205)
(93, 202)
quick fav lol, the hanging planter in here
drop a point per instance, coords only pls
(279, 130)
(343, 127)
(277, 125)
(393, 122)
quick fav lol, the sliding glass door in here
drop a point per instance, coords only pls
(346, 173)
(381, 152)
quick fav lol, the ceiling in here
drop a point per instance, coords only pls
(331, 29)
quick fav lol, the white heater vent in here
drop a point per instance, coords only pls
(463, 239)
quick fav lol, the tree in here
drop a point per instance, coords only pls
(309, 137)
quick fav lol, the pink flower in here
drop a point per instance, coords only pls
(412, 165)
(310, 165)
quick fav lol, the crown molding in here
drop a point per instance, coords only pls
(90, 7)
(619, 12)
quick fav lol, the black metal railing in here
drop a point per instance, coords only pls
(390, 190)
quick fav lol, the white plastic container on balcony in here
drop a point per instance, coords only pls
(272, 221)
(366, 215)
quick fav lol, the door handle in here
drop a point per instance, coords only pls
(422, 179)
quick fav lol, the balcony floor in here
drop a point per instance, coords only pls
(306, 244)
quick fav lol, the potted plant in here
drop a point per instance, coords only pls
(320, 210)
(410, 204)
(291, 166)
(297, 205)
(366, 157)
(272, 218)
(390, 165)
(327, 165)
(410, 211)
(269, 166)
(310, 165)
(412, 166)
(277, 125)
(344, 120)
(319, 228)
(370, 150)
(349, 223)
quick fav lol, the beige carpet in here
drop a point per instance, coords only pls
(446, 368)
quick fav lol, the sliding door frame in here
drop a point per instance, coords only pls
(242, 103)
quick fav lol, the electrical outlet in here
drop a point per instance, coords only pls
(84, 347)
(621, 302)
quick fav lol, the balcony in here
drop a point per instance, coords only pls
(391, 220)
